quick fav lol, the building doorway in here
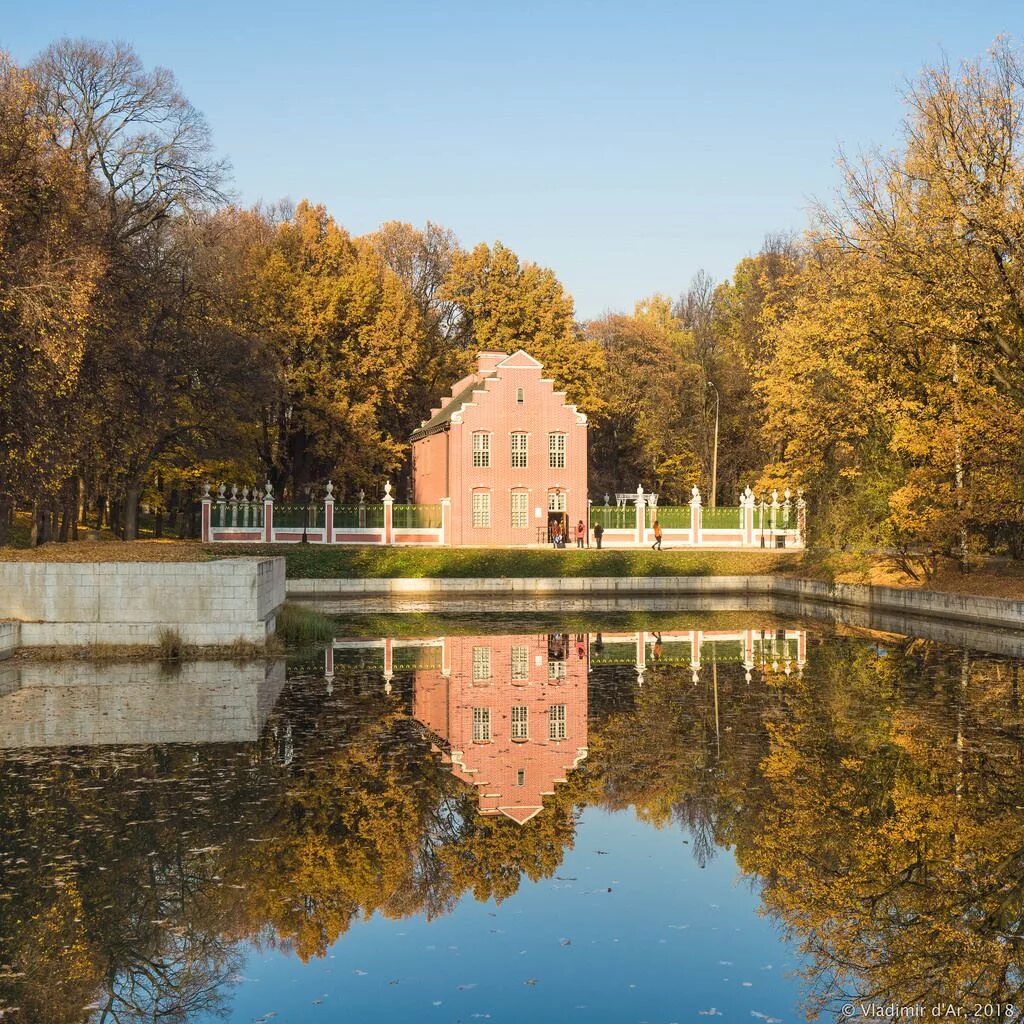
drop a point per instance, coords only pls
(558, 521)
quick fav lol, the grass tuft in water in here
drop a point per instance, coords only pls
(169, 644)
(297, 624)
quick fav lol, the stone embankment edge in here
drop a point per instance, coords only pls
(989, 611)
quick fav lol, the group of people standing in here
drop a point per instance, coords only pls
(558, 538)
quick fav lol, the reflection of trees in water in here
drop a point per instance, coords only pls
(877, 798)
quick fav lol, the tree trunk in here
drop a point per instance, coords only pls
(6, 509)
(130, 511)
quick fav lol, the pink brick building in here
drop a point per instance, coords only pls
(509, 714)
(509, 452)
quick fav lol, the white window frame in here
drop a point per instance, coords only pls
(556, 501)
(520, 510)
(521, 777)
(481, 664)
(520, 396)
(556, 450)
(556, 669)
(481, 725)
(481, 449)
(520, 722)
(482, 509)
(557, 722)
(520, 454)
(520, 663)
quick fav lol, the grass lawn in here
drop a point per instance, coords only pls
(313, 561)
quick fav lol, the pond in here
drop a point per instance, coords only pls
(650, 817)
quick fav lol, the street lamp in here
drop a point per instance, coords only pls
(714, 457)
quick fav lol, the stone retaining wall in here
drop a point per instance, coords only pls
(989, 611)
(62, 603)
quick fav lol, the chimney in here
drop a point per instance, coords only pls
(487, 361)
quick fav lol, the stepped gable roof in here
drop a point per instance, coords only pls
(489, 365)
(443, 416)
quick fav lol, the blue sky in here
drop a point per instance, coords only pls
(626, 145)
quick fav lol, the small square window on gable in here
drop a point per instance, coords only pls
(520, 396)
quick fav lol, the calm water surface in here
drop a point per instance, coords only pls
(655, 819)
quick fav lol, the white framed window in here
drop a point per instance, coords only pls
(556, 722)
(520, 396)
(520, 512)
(556, 501)
(481, 725)
(481, 508)
(519, 449)
(520, 662)
(520, 722)
(556, 670)
(556, 451)
(481, 664)
(482, 449)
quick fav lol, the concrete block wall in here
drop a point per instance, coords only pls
(131, 602)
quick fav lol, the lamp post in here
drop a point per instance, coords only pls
(714, 457)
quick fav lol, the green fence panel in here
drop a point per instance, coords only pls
(671, 517)
(346, 516)
(299, 516)
(375, 516)
(725, 517)
(612, 517)
(413, 517)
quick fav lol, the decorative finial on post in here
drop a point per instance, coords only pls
(330, 490)
(220, 492)
(695, 493)
(362, 496)
(269, 488)
(206, 490)
(387, 489)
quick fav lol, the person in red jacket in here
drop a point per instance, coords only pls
(581, 533)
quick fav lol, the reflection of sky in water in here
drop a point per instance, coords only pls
(670, 940)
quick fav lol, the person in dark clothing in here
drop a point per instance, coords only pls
(598, 534)
(657, 536)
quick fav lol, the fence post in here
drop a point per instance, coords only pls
(362, 508)
(590, 504)
(268, 513)
(695, 517)
(446, 522)
(222, 506)
(773, 520)
(389, 529)
(641, 516)
(329, 514)
(801, 519)
(234, 505)
(747, 506)
(206, 512)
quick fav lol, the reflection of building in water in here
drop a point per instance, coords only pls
(60, 704)
(782, 650)
(509, 713)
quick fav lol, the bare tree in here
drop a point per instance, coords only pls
(149, 148)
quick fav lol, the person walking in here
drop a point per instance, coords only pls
(556, 534)
(598, 534)
(657, 536)
(581, 533)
